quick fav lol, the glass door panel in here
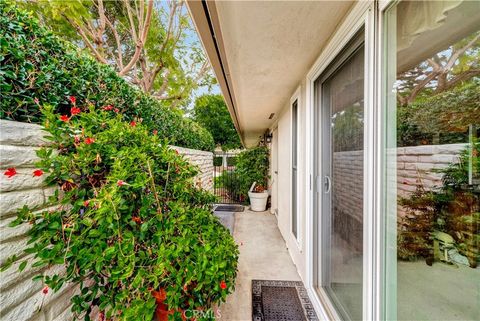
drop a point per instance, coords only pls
(432, 160)
(340, 98)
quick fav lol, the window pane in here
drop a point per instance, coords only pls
(432, 160)
(342, 216)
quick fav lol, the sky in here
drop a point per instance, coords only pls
(192, 39)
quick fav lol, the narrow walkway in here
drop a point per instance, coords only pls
(263, 255)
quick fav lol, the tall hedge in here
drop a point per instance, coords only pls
(35, 64)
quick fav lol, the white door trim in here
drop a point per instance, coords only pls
(274, 170)
(362, 14)
(296, 97)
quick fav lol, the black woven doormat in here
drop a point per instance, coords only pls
(281, 301)
(229, 208)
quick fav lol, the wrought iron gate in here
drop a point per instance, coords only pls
(226, 181)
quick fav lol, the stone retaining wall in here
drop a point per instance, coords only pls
(348, 187)
(204, 161)
(414, 165)
(20, 297)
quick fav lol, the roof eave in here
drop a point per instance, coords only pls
(205, 19)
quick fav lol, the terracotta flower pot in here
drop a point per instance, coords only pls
(162, 312)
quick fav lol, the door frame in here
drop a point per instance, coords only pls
(274, 171)
(363, 14)
(296, 97)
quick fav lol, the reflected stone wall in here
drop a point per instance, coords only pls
(414, 168)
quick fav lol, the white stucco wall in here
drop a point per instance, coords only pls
(20, 297)
(296, 247)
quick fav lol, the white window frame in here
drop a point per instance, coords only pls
(381, 246)
(299, 238)
(363, 14)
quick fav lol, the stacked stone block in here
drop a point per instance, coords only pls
(415, 165)
(20, 297)
(204, 162)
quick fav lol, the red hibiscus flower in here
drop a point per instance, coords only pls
(89, 140)
(37, 173)
(72, 99)
(185, 288)
(223, 285)
(64, 118)
(10, 172)
(45, 290)
(107, 108)
(121, 183)
(116, 110)
(155, 132)
(137, 219)
(86, 203)
(75, 110)
(133, 123)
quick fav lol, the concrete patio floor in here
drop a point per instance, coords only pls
(263, 255)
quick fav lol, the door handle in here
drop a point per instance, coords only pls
(327, 184)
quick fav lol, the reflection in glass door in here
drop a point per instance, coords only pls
(339, 204)
(432, 160)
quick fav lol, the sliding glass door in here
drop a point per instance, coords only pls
(432, 170)
(339, 162)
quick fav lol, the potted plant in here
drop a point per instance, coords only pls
(258, 196)
(252, 172)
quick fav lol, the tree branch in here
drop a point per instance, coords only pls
(163, 88)
(171, 18)
(101, 17)
(459, 52)
(118, 42)
(416, 90)
(461, 77)
(133, 31)
(140, 43)
(82, 33)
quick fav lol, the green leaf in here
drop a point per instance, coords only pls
(22, 266)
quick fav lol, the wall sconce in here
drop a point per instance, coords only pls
(268, 138)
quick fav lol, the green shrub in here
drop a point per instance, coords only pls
(232, 161)
(252, 166)
(229, 183)
(38, 66)
(452, 208)
(130, 221)
(442, 118)
(217, 161)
